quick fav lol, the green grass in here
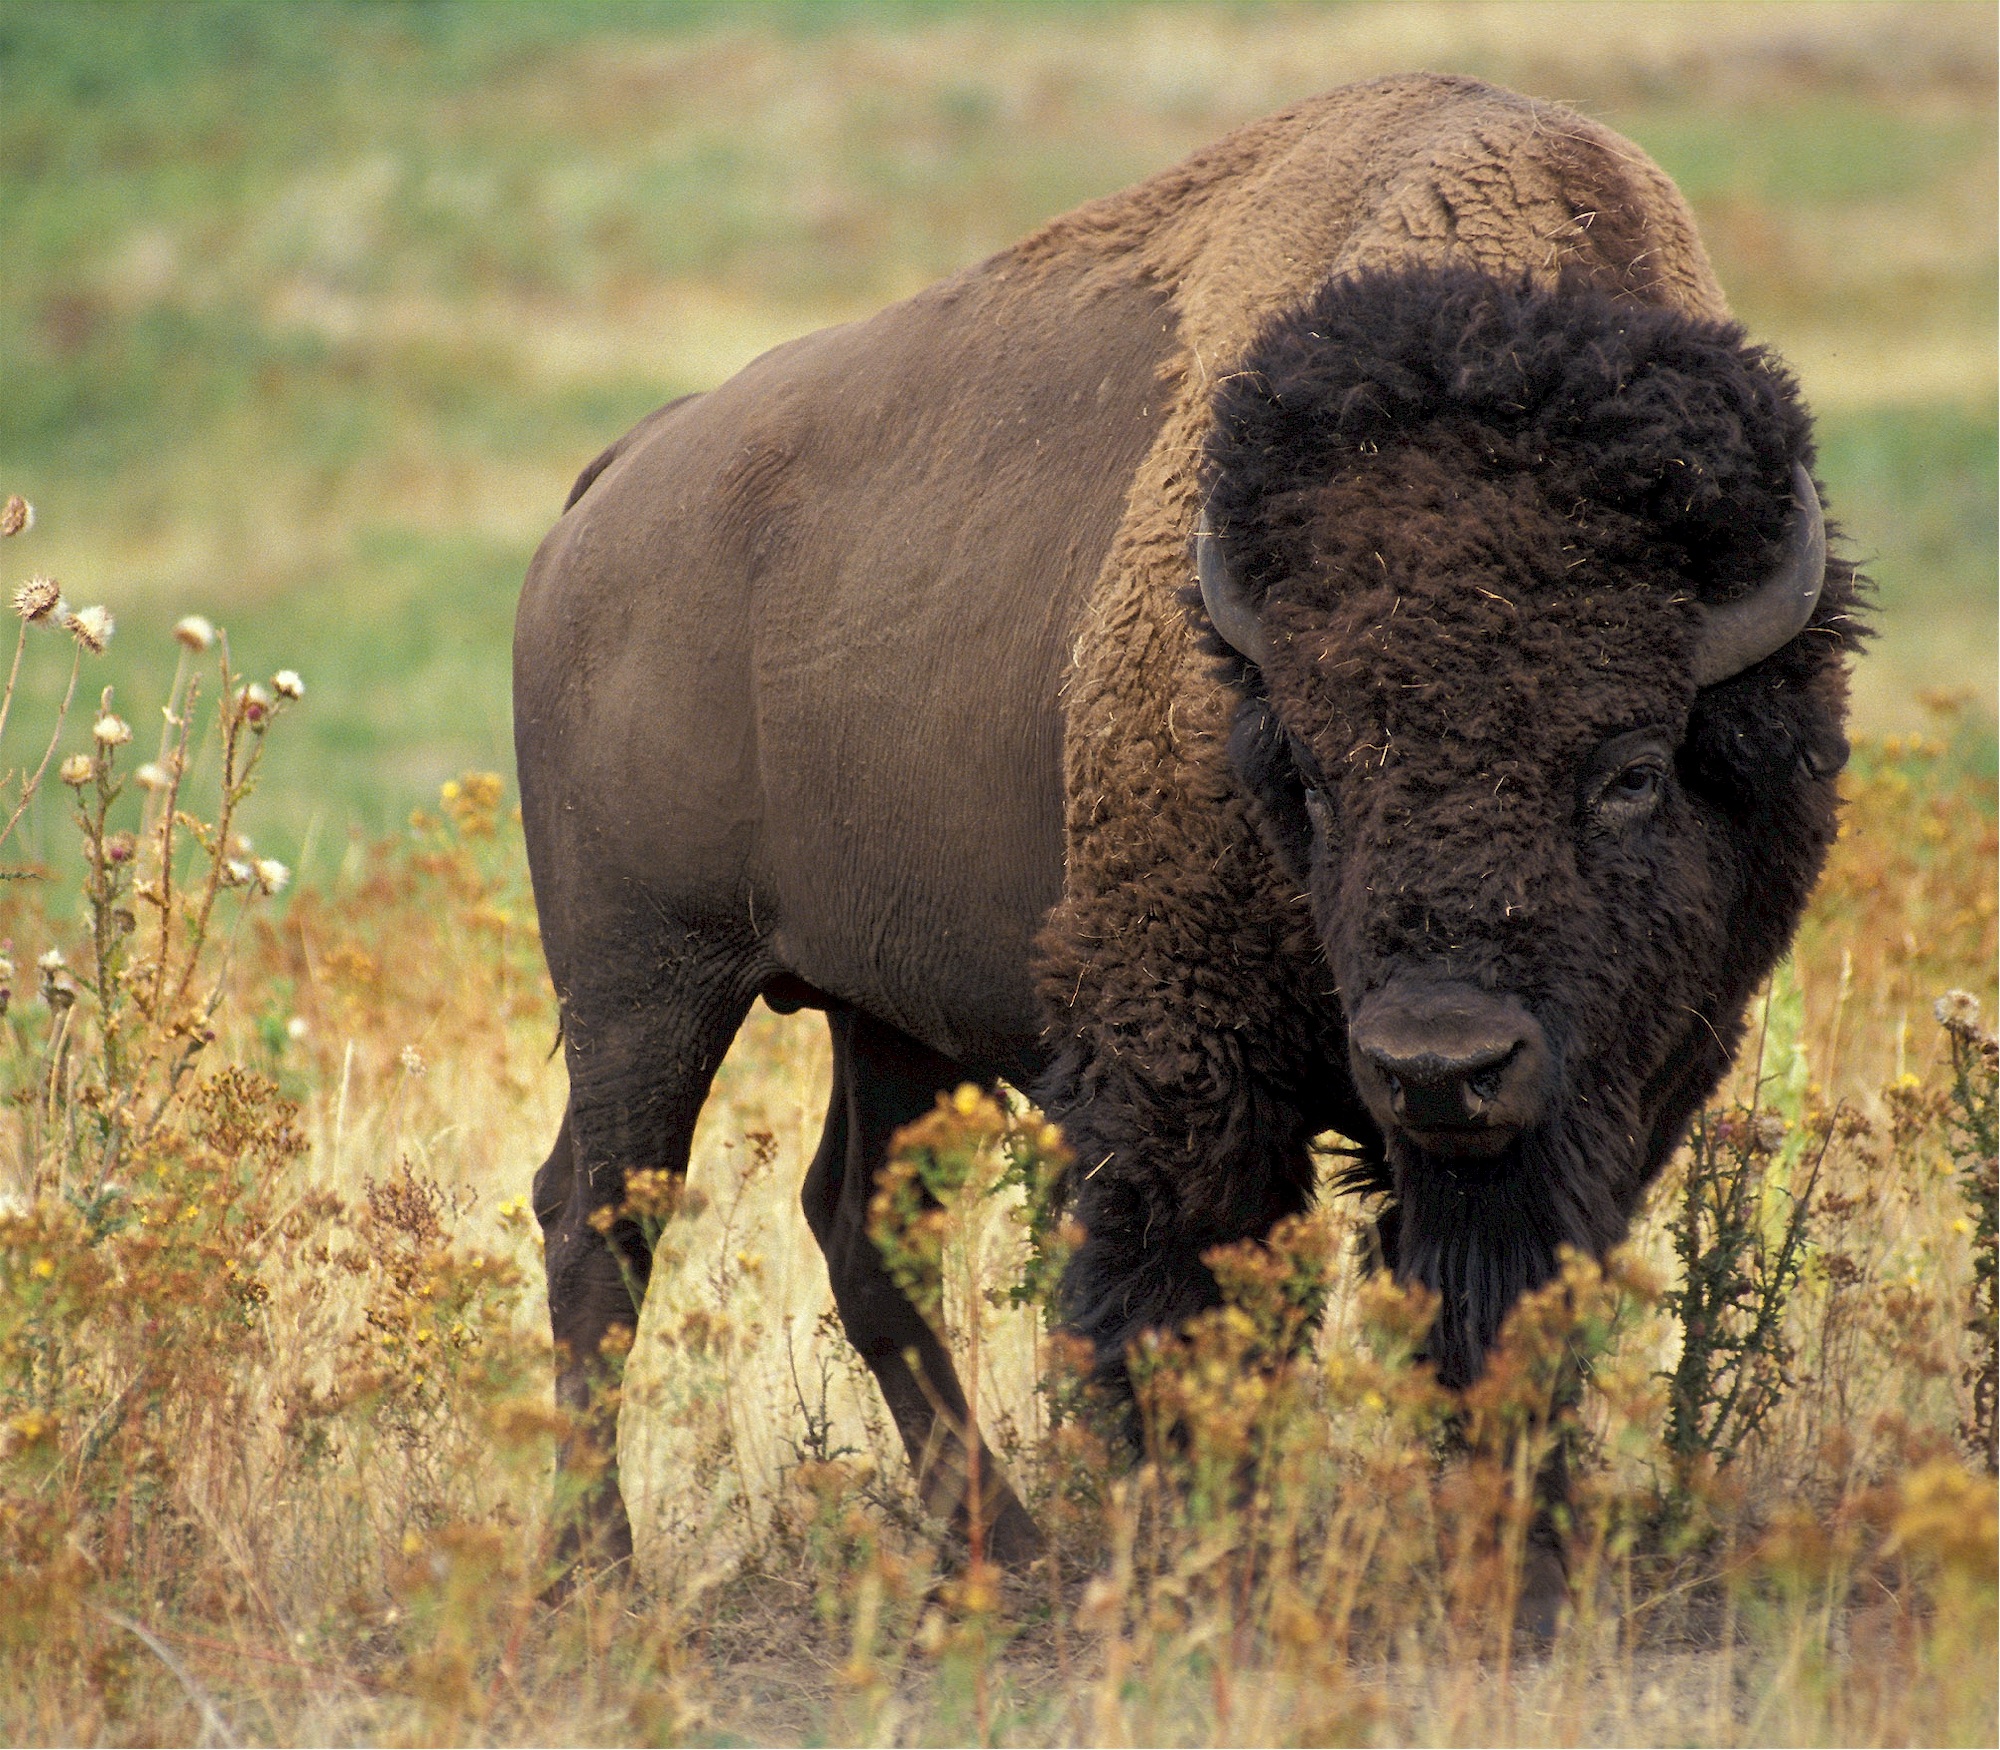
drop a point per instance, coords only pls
(311, 313)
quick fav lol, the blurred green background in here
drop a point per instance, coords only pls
(310, 313)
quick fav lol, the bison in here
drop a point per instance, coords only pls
(1337, 636)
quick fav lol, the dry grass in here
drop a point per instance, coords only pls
(276, 1436)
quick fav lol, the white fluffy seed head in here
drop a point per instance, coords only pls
(151, 776)
(77, 770)
(196, 631)
(92, 628)
(287, 685)
(111, 731)
(1958, 1011)
(272, 875)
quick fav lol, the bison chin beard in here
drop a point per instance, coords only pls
(1480, 1234)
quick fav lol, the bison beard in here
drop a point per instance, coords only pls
(1662, 448)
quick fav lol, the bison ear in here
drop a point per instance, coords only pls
(1740, 634)
(1229, 609)
(1263, 766)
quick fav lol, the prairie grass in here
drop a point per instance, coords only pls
(312, 314)
(276, 1425)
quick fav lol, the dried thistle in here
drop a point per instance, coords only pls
(195, 631)
(37, 599)
(92, 628)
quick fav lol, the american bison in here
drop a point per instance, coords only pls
(1337, 636)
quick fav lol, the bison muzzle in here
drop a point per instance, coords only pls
(1339, 636)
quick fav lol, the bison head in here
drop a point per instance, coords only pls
(1527, 596)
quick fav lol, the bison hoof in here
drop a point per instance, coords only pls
(1014, 1540)
(1544, 1595)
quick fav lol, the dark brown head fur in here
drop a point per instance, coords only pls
(1480, 521)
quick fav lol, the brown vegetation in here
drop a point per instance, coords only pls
(276, 1433)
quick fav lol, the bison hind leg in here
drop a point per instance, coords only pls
(882, 1080)
(640, 1067)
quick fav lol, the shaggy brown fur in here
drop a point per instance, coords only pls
(841, 681)
(1194, 994)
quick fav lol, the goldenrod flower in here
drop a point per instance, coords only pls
(92, 628)
(287, 685)
(111, 731)
(36, 599)
(196, 631)
(17, 515)
(77, 770)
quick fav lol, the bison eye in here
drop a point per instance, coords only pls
(1633, 791)
(1625, 780)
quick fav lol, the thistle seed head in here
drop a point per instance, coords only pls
(77, 770)
(196, 631)
(17, 516)
(287, 685)
(271, 875)
(236, 872)
(92, 628)
(151, 776)
(37, 599)
(1957, 1010)
(111, 731)
(52, 961)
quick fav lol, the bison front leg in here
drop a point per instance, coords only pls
(1164, 1173)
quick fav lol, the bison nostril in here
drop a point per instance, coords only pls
(1449, 1061)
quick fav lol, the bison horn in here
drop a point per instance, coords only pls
(1229, 610)
(1749, 629)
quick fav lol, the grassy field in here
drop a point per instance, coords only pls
(311, 313)
(308, 317)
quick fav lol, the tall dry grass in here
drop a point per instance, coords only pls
(276, 1431)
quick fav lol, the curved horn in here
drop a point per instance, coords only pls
(1228, 612)
(1749, 629)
